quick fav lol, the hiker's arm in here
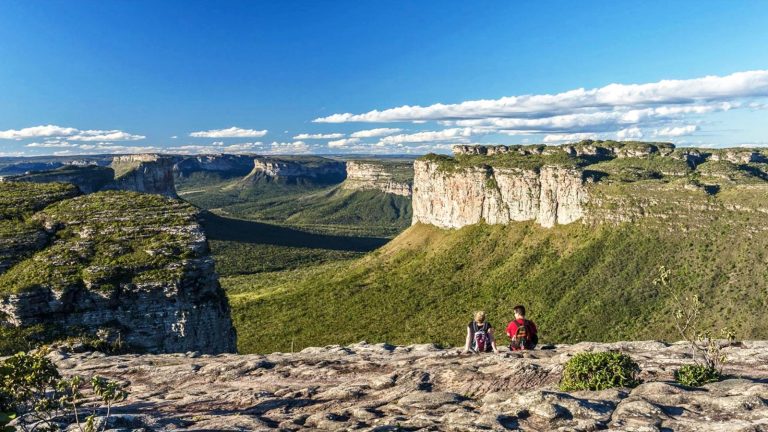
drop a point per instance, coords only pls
(493, 341)
(466, 343)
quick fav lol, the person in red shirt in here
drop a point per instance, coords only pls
(522, 332)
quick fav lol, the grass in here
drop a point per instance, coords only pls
(579, 283)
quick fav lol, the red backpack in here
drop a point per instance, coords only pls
(524, 335)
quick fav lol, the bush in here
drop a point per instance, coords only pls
(696, 375)
(599, 371)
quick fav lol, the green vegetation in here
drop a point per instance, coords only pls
(32, 389)
(696, 375)
(599, 371)
(423, 286)
(21, 199)
(105, 239)
(506, 160)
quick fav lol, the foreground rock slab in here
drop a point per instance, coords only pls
(421, 387)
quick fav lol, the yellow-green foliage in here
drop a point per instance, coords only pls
(599, 371)
(579, 283)
(104, 239)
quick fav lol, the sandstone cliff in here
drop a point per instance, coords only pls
(226, 165)
(452, 199)
(120, 265)
(591, 181)
(421, 387)
(296, 169)
(146, 173)
(392, 178)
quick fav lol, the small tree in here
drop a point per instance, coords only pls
(688, 307)
(32, 389)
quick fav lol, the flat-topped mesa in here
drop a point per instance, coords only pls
(452, 199)
(592, 181)
(296, 169)
(146, 173)
(365, 175)
(228, 165)
(120, 266)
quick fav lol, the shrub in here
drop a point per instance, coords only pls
(599, 371)
(696, 375)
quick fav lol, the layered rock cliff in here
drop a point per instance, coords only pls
(226, 165)
(120, 265)
(591, 181)
(391, 178)
(146, 173)
(452, 199)
(297, 169)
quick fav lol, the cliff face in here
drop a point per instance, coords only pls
(146, 173)
(297, 169)
(121, 264)
(224, 164)
(591, 181)
(452, 199)
(372, 176)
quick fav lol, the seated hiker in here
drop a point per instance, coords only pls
(480, 335)
(522, 332)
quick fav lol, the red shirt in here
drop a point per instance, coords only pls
(512, 327)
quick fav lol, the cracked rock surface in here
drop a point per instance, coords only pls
(421, 387)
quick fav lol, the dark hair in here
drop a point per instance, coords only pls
(520, 309)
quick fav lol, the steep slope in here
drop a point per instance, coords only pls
(118, 265)
(146, 173)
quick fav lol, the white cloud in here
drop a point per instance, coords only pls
(560, 138)
(455, 135)
(175, 137)
(104, 135)
(343, 142)
(750, 84)
(216, 147)
(51, 144)
(305, 136)
(378, 132)
(37, 132)
(233, 132)
(295, 147)
(676, 131)
(629, 133)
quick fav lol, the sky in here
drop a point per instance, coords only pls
(394, 77)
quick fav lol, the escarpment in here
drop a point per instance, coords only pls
(146, 173)
(392, 178)
(551, 195)
(226, 165)
(122, 266)
(297, 169)
(590, 181)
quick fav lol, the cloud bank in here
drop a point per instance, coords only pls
(233, 132)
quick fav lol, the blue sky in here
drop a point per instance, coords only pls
(81, 77)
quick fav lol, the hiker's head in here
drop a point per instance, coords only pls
(479, 317)
(519, 311)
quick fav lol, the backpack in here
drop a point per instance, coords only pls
(524, 337)
(481, 341)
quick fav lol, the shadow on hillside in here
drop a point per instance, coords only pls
(222, 228)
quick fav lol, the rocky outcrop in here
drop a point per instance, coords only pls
(122, 266)
(420, 387)
(226, 165)
(375, 176)
(146, 173)
(454, 198)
